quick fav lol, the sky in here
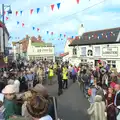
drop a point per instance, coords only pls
(93, 14)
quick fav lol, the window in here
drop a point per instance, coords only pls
(83, 51)
(97, 51)
(90, 53)
(111, 63)
(74, 51)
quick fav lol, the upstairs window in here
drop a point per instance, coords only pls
(83, 51)
(74, 51)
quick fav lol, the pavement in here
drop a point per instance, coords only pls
(72, 105)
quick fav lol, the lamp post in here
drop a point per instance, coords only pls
(9, 12)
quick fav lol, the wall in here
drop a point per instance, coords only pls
(1, 39)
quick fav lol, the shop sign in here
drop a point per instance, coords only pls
(110, 51)
(45, 50)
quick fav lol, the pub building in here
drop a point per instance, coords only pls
(97, 45)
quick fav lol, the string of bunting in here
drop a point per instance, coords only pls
(37, 10)
(101, 35)
(47, 32)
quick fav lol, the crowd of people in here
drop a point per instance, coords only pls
(102, 88)
(23, 94)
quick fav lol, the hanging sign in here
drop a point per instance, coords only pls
(110, 51)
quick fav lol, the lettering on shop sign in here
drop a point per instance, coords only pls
(45, 50)
(110, 51)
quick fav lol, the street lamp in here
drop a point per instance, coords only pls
(9, 12)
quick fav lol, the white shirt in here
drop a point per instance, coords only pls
(47, 117)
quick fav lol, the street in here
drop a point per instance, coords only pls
(71, 105)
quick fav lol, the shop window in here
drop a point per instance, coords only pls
(74, 51)
(111, 63)
(90, 53)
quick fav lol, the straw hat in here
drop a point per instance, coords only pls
(9, 89)
(37, 107)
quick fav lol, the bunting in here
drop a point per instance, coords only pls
(38, 29)
(6, 18)
(31, 11)
(47, 32)
(52, 7)
(18, 22)
(21, 12)
(33, 28)
(23, 24)
(58, 5)
(60, 35)
(77, 1)
(38, 9)
(51, 33)
(16, 13)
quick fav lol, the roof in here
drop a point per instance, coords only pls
(2, 25)
(107, 36)
(36, 44)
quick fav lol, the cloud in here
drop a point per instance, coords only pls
(93, 14)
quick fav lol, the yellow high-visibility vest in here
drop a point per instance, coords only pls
(65, 72)
(51, 72)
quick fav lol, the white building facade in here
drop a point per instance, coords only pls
(40, 52)
(34, 49)
(91, 52)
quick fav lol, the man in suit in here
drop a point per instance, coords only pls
(117, 96)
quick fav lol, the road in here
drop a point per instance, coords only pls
(71, 105)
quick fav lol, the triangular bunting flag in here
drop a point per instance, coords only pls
(16, 13)
(21, 12)
(38, 29)
(58, 5)
(52, 7)
(33, 28)
(51, 33)
(38, 9)
(23, 24)
(64, 35)
(47, 32)
(6, 18)
(31, 11)
(60, 35)
(78, 1)
(18, 22)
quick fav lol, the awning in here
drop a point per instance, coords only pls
(64, 54)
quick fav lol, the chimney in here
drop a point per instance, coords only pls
(27, 37)
(81, 30)
(39, 38)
